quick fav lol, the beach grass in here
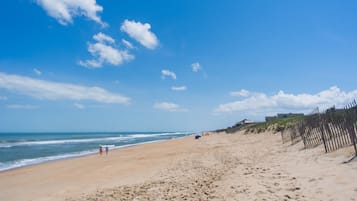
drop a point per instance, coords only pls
(274, 125)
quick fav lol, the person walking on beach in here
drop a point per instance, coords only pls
(100, 150)
(106, 150)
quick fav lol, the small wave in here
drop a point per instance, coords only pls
(5, 146)
(27, 162)
(158, 134)
(48, 142)
(104, 139)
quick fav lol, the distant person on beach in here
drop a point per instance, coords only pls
(100, 150)
(106, 150)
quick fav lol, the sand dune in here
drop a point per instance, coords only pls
(216, 167)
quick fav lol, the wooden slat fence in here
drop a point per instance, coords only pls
(334, 129)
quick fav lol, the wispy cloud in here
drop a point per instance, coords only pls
(47, 90)
(141, 33)
(196, 67)
(79, 106)
(64, 10)
(241, 93)
(261, 103)
(102, 38)
(169, 107)
(179, 88)
(167, 73)
(23, 107)
(127, 44)
(37, 72)
(104, 52)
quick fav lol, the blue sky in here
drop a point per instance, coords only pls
(129, 65)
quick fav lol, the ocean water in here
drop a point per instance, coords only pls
(22, 149)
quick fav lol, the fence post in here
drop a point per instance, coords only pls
(350, 121)
(322, 129)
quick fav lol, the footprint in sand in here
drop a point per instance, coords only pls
(312, 180)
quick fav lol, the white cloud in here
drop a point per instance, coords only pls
(260, 103)
(37, 72)
(196, 67)
(127, 44)
(47, 90)
(79, 106)
(92, 63)
(170, 107)
(105, 53)
(102, 38)
(25, 107)
(65, 10)
(141, 33)
(241, 93)
(167, 73)
(179, 88)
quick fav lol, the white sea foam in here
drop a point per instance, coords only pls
(64, 141)
(104, 139)
(25, 162)
(5, 146)
(157, 134)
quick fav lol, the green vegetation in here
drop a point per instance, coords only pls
(273, 125)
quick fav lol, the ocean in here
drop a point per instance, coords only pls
(23, 149)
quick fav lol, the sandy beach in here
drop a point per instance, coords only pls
(215, 167)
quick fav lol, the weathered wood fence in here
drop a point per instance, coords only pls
(334, 129)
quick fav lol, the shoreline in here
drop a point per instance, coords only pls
(215, 167)
(72, 155)
(11, 181)
(80, 155)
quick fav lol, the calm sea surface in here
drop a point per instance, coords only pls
(22, 149)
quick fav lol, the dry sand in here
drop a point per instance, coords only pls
(215, 167)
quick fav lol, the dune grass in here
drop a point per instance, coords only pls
(275, 124)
